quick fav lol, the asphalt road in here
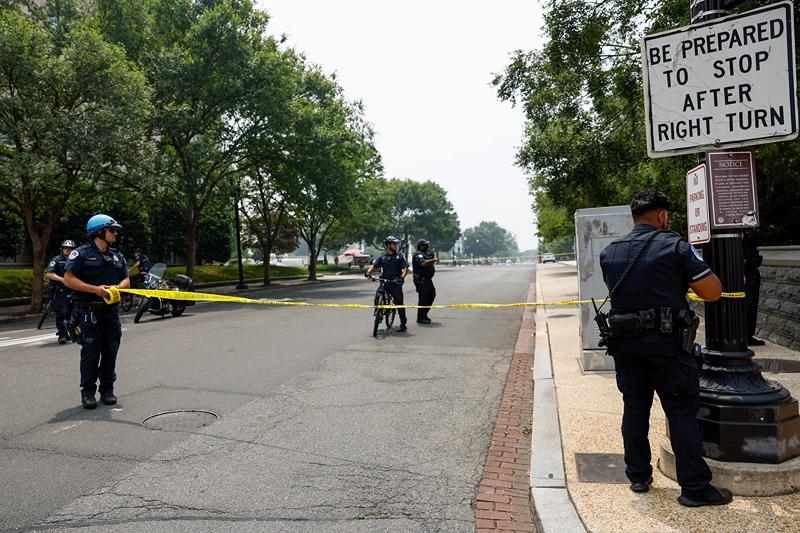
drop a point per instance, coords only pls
(321, 426)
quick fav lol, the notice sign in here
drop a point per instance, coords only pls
(732, 181)
(724, 83)
(697, 205)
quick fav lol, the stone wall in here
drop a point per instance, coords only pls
(779, 305)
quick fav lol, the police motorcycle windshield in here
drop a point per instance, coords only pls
(158, 270)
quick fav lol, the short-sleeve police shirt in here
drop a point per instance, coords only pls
(144, 263)
(659, 278)
(56, 266)
(392, 265)
(94, 267)
(419, 270)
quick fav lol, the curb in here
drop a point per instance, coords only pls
(553, 509)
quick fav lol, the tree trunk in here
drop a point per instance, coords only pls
(312, 260)
(39, 259)
(267, 273)
(191, 242)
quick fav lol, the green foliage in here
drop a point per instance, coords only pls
(12, 232)
(15, 283)
(489, 239)
(212, 273)
(409, 210)
(584, 143)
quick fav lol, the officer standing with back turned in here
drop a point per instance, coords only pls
(90, 271)
(58, 292)
(652, 332)
(423, 279)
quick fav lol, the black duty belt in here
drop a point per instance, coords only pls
(94, 306)
(650, 318)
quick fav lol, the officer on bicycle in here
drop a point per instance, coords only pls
(58, 292)
(393, 266)
(142, 263)
(90, 271)
(423, 279)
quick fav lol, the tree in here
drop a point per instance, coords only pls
(488, 239)
(410, 210)
(72, 114)
(210, 58)
(329, 169)
(584, 143)
(12, 234)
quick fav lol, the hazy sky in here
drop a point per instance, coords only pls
(423, 71)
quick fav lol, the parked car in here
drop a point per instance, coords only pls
(548, 258)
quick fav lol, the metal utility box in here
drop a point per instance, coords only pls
(595, 228)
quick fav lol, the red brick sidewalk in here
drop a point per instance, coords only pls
(503, 500)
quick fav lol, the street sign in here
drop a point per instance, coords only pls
(732, 183)
(723, 83)
(697, 205)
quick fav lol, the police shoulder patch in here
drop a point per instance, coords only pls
(116, 258)
(73, 254)
(52, 263)
(697, 255)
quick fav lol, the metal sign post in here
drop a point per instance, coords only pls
(727, 82)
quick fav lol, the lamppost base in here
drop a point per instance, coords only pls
(744, 416)
(242, 286)
(743, 479)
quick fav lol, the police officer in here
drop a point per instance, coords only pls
(393, 266)
(653, 293)
(752, 283)
(90, 271)
(423, 279)
(58, 292)
(142, 263)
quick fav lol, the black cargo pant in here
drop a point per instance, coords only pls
(427, 294)
(675, 378)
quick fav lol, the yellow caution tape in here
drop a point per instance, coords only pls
(696, 298)
(114, 297)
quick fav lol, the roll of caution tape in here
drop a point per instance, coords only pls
(114, 297)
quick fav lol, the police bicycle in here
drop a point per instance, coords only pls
(384, 297)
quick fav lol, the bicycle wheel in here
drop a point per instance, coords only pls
(378, 314)
(389, 313)
(126, 301)
(45, 312)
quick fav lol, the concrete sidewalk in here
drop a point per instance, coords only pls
(589, 410)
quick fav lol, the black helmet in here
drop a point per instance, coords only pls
(421, 243)
(68, 244)
(137, 250)
(389, 239)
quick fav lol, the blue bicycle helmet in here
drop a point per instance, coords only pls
(99, 222)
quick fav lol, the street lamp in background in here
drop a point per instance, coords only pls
(241, 284)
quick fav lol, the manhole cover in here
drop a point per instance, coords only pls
(178, 420)
(779, 365)
(559, 316)
(601, 468)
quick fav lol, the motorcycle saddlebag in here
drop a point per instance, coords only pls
(182, 281)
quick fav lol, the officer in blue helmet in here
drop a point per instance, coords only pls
(58, 292)
(648, 272)
(90, 270)
(423, 262)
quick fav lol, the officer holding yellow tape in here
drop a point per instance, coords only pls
(91, 271)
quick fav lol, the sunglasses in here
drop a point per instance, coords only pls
(111, 230)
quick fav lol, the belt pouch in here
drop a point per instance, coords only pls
(625, 326)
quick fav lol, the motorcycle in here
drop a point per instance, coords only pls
(163, 306)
